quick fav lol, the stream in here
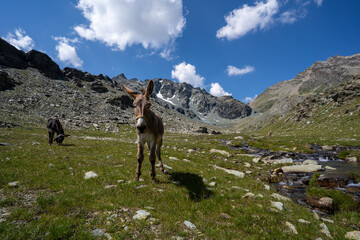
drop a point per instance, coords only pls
(337, 173)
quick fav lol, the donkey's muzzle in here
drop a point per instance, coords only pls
(140, 124)
(141, 129)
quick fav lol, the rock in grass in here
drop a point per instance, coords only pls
(325, 230)
(302, 168)
(249, 195)
(278, 205)
(110, 186)
(141, 215)
(267, 187)
(229, 171)
(223, 152)
(303, 221)
(99, 233)
(13, 184)
(189, 225)
(291, 227)
(280, 197)
(90, 174)
(355, 235)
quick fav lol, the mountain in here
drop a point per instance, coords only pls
(319, 77)
(332, 82)
(34, 88)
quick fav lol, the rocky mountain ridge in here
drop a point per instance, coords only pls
(33, 86)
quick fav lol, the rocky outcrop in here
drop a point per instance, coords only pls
(10, 56)
(44, 64)
(6, 82)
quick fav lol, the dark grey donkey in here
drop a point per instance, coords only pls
(54, 126)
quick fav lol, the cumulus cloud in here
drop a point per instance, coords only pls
(234, 71)
(249, 99)
(20, 40)
(217, 91)
(122, 23)
(67, 52)
(185, 72)
(318, 2)
(288, 17)
(248, 18)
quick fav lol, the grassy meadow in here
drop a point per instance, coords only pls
(52, 200)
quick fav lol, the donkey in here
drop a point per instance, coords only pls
(149, 128)
(54, 126)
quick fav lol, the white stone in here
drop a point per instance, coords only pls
(246, 164)
(330, 168)
(291, 227)
(280, 197)
(325, 230)
(278, 205)
(327, 220)
(141, 215)
(229, 171)
(354, 235)
(256, 160)
(220, 151)
(309, 162)
(13, 184)
(212, 184)
(110, 186)
(90, 174)
(189, 224)
(303, 221)
(249, 195)
(302, 168)
(239, 137)
(173, 158)
(267, 187)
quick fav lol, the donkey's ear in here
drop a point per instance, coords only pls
(130, 92)
(149, 89)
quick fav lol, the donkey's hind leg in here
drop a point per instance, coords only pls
(158, 154)
(140, 158)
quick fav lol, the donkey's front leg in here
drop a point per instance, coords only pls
(51, 136)
(140, 158)
(152, 159)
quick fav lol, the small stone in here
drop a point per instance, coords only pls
(35, 143)
(176, 238)
(278, 205)
(189, 225)
(173, 158)
(13, 184)
(355, 235)
(249, 195)
(280, 197)
(239, 137)
(51, 165)
(141, 186)
(99, 233)
(90, 174)
(256, 160)
(330, 168)
(303, 221)
(110, 186)
(246, 164)
(327, 220)
(291, 227)
(141, 215)
(121, 181)
(259, 195)
(267, 187)
(212, 184)
(223, 152)
(325, 230)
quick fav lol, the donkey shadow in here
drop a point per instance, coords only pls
(194, 184)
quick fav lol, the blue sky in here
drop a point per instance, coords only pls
(235, 47)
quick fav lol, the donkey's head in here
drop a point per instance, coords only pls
(142, 105)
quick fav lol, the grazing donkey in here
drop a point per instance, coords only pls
(149, 128)
(54, 126)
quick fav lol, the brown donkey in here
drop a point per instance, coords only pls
(149, 128)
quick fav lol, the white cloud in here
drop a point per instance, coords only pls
(318, 2)
(122, 23)
(234, 71)
(187, 73)
(66, 52)
(288, 17)
(249, 99)
(248, 18)
(217, 91)
(20, 40)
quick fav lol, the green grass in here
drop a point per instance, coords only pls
(54, 201)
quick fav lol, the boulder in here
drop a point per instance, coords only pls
(302, 168)
(354, 235)
(324, 204)
(10, 56)
(331, 182)
(44, 64)
(6, 82)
